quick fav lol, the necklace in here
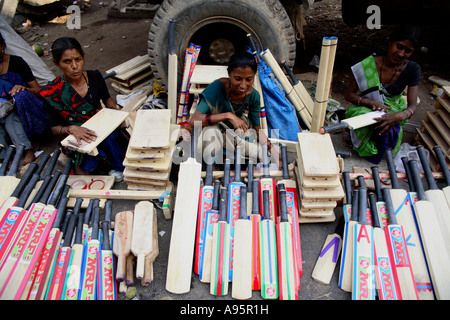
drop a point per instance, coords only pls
(393, 75)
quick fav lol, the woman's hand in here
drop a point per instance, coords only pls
(82, 133)
(388, 121)
(16, 89)
(237, 123)
(378, 106)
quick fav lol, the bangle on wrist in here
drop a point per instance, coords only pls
(359, 100)
(208, 119)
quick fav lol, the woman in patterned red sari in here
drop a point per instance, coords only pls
(73, 98)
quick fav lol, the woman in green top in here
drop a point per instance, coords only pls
(232, 103)
(381, 81)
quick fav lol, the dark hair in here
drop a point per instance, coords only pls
(65, 43)
(406, 32)
(242, 59)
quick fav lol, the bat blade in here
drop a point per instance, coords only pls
(363, 256)
(205, 204)
(268, 253)
(386, 282)
(329, 255)
(242, 274)
(255, 219)
(287, 271)
(221, 245)
(399, 253)
(212, 216)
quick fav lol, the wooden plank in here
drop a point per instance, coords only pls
(444, 101)
(440, 125)
(317, 156)
(142, 68)
(135, 79)
(328, 194)
(151, 130)
(115, 194)
(445, 116)
(128, 65)
(145, 174)
(103, 123)
(437, 137)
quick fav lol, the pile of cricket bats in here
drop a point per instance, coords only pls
(317, 173)
(149, 156)
(393, 241)
(247, 233)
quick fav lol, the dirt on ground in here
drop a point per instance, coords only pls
(109, 41)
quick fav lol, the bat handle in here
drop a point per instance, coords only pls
(120, 269)
(443, 164)
(289, 72)
(334, 127)
(172, 37)
(140, 265)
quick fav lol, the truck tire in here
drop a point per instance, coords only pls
(208, 22)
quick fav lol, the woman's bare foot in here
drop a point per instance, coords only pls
(29, 157)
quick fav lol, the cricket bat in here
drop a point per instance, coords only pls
(290, 186)
(211, 218)
(267, 183)
(399, 253)
(255, 218)
(58, 276)
(234, 203)
(242, 273)
(221, 246)
(74, 272)
(268, 252)
(205, 204)
(329, 255)
(445, 171)
(363, 256)
(437, 197)
(346, 269)
(142, 239)
(106, 266)
(123, 234)
(403, 208)
(386, 282)
(250, 178)
(380, 205)
(182, 241)
(287, 269)
(172, 73)
(89, 283)
(433, 241)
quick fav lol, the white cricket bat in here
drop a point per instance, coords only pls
(363, 257)
(242, 274)
(329, 254)
(401, 201)
(385, 281)
(182, 241)
(437, 257)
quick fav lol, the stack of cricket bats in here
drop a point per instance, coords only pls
(317, 173)
(149, 156)
(247, 235)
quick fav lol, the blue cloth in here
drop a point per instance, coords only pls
(281, 115)
(29, 107)
(110, 149)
